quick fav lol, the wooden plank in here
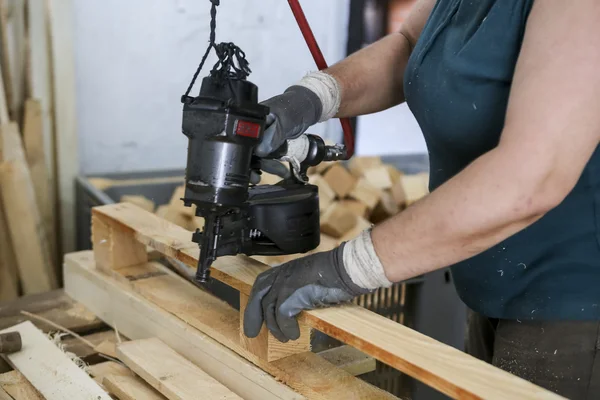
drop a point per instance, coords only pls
(9, 279)
(18, 387)
(55, 306)
(49, 370)
(350, 359)
(29, 242)
(39, 80)
(340, 180)
(265, 346)
(33, 141)
(159, 306)
(130, 388)
(67, 160)
(436, 364)
(169, 372)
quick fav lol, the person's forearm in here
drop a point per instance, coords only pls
(371, 79)
(487, 202)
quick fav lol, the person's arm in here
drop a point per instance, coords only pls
(371, 79)
(367, 81)
(552, 128)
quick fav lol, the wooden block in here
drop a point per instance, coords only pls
(349, 359)
(130, 388)
(177, 204)
(108, 368)
(326, 193)
(337, 220)
(415, 187)
(386, 208)
(59, 378)
(115, 248)
(29, 241)
(265, 346)
(171, 214)
(361, 225)
(395, 173)
(321, 168)
(358, 165)
(366, 193)
(169, 372)
(269, 179)
(378, 177)
(140, 201)
(195, 223)
(340, 180)
(357, 207)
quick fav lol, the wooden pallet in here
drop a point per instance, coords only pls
(144, 299)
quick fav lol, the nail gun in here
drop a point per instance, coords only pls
(223, 125)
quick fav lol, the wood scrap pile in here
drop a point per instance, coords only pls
(29, 256)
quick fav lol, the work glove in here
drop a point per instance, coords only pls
(281, 293)
(291, 114)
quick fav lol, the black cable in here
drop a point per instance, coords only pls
(228, 54)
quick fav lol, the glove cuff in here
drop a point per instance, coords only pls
(327, 89)
(362, 263)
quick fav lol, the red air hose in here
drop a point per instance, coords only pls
(315, 50)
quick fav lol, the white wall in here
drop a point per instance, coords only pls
(134, 59)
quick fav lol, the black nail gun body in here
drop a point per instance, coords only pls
(223, 125)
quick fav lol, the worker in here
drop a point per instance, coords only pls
(507, 95)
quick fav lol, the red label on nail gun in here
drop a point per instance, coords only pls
(248, 129)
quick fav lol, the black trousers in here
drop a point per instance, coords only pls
(561, 356)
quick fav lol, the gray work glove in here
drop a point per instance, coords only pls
(291, 114)
(281, 293)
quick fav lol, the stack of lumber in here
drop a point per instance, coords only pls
(187, 344)
(29, 256)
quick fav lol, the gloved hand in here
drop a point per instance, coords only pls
(281, 293)
(291, 114)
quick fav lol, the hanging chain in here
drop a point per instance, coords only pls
(228, 54)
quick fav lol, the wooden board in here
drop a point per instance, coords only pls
(130, 388)
(18, 387)
(169, 372)
(108, 368)
(9, 279)
(152, 305)
(49, 370)
(33, 141)
(24, 222)
(436, 364)
(65, 120)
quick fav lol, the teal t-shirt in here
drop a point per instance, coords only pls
(457, 85)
